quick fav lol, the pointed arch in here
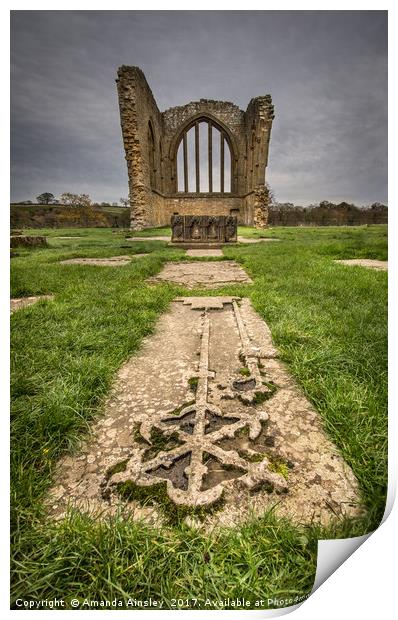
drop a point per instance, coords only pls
(204, 157)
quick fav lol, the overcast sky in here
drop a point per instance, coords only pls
(326, 72)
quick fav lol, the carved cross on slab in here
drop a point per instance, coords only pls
(201, 426)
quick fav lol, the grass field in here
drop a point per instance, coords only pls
(329, 322)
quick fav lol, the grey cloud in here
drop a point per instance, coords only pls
(326, 71)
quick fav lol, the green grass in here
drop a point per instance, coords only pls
(329, 323)
(101, 560)
(160, 231)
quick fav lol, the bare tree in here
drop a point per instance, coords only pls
(124, 202)
(76, 200)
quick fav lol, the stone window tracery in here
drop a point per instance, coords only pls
(204, 159)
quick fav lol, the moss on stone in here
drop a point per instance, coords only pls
(156, 495)
(138, 438)
(260, 397)
(242, 432)
(230, 467)
(193, 383)
(271, 386)
(117, 468)
(278, 465)
(178, 410)
(262, 486)
(251, 457)
(161, 442)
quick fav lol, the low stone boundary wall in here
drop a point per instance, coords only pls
(58, 216)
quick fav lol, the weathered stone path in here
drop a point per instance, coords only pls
(207, 410)
(365, 262)
(208, 274)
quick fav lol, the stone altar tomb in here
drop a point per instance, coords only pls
(203, 230)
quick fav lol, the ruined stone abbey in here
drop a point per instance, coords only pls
(205, 157)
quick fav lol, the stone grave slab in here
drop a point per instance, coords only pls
(204, 252)
(112, 261)
(22, 302)
(253, 240)
(154, 238)
(209, 416)
(365, 262)
(202, 273)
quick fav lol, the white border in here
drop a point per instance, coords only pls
(363, 586)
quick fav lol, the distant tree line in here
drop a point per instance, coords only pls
(326, 214)
(72, 200)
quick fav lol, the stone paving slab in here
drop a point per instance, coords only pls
(253, 240)
(200, 253)
(206, 303)
(202, 273)
(207, 410)
(22, 302)
(365, 262)
(112, 261)
(155, 238)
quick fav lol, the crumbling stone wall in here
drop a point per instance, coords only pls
(260, 206)
(151, 139)
(140, 118)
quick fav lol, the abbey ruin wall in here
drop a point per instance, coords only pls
(231, 181)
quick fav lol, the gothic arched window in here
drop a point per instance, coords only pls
(204, 159)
